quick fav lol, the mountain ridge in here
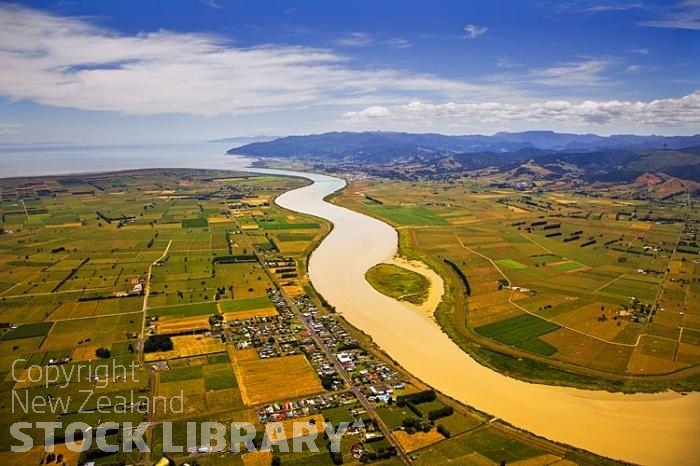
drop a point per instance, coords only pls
(387, 145)
(587, 157)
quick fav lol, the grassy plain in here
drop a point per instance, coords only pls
(70, 266)
(572, 266)
(398, 282)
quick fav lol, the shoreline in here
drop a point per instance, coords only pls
(436, 285)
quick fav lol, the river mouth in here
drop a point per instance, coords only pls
(655, 429)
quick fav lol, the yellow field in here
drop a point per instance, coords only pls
(256, 201)
(23, 381)
(188, 387)
(242, 355)
(293, 290)
(189, 345)
(418, 440)
(75, 310)
(644, 364)
(85, 353)
(288, 247)
(219, 219)
(517, 210)
(170, 325)
(543, 460)
(257, 458)
(242, 315)
(265, 380)
(288, 426)
(249, 227)
(645, 226)
(66, 225)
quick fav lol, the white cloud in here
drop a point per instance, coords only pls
(683, 15)
(475, 31)
(655, 113)
(363, 39)
(369, 113)
(592, 7)
(68, 62)
(355, 39)
(611, 7)
(576, 73)
(398, 43)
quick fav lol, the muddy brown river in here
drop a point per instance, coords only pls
(654, 429)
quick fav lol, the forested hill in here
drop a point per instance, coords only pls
(383, 147)
(544, 153)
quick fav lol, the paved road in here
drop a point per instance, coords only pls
(367, 405)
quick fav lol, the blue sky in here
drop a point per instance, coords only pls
(119, 71)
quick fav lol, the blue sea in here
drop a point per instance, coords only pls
(55, 159)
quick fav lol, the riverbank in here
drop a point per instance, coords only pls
(650, 429)
(436, 286)
(453, 316)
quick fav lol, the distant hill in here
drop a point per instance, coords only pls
(382, 147)
(540, 154)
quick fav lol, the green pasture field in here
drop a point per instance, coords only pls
(406, 215)
(245, 304)
(289, 226)
(218, 358)
(516, 329)
(337, 415)
(568, 266)
(219, 377)
(38, 329)
(535, 345)
(184, 310)
(295, 236)
(393, 416)
(489, 442)
(458, 423)
(180, 374)
(398, 282)
(511, 264)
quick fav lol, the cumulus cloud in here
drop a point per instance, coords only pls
(69, 62)
(656, 113)
(474, 31)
